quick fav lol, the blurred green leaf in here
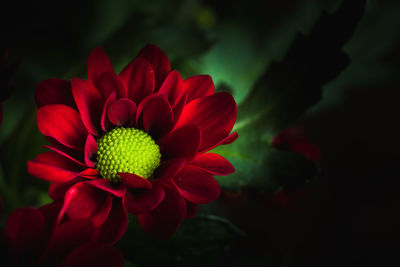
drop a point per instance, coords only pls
(197, 240)
(22, 145)
(284, 93)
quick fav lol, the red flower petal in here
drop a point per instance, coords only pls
(181, 143)
(98, 63)
(163, 221)
(54, 91)
(198, 86)
(118, 190)
(191, 210)
(155, 114)
(89, 102)
(109, 82)
(138, 78)
(85, 201)
(53, 167)
(173, 87)
(25, 227)
(65, 238)
(116, 224)
(196, 185)
(215, 116)
(94, 254)
(122, 113)
(90, 151)
(50, 212)
(296, 140)
(134, 181)
(168, 169)
(227, 140)
(66, 152)
(159, 62)
(57, 190)
(89, 173)
(105, 122)
(62, 123)
(140, 201)
(179, 107)
(213, 164)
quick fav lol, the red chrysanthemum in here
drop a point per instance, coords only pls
(136, 140)
(32, 238)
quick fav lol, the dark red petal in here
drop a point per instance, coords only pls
(198, 86)
(213, 164)
(105, 123)
(181, 143)
(179, 107)
(169, 168)
(115, 226)
(53, 167)
(25, 228)
(138, 78)
(57, 190)
(134, 181)
(89, 173)
(54, 91)
(50, 212)
(98, 63)
(117, 190)
(191, 210)
(172, 87)
(109, 82)
(94, 254)
(65, 238)
(163, 221)
(90, 151)
(227, 140)
(159, 62)
(196, 185)
(68, 153)
(89, 102)
(295, 139)
(122, 113)
(83, 201)
(140, 201)
(155, 114)
(62, 123)
(215, 116)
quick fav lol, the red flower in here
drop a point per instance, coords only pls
(31, 238)
(296, 140)
(136, 140)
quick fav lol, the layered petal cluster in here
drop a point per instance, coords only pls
(185, 118)
(32, 238)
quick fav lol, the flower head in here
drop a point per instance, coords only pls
(31, 238)
(137, 140)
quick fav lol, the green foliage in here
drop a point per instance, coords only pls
(274, 75)
(200, 238)
(284, 92)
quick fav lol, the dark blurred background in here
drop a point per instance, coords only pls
(330, 67)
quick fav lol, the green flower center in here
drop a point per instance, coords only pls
(126, 150)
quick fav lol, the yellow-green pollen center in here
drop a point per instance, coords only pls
(126, 150)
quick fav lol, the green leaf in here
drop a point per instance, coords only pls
(197, 239)
(284, 92)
